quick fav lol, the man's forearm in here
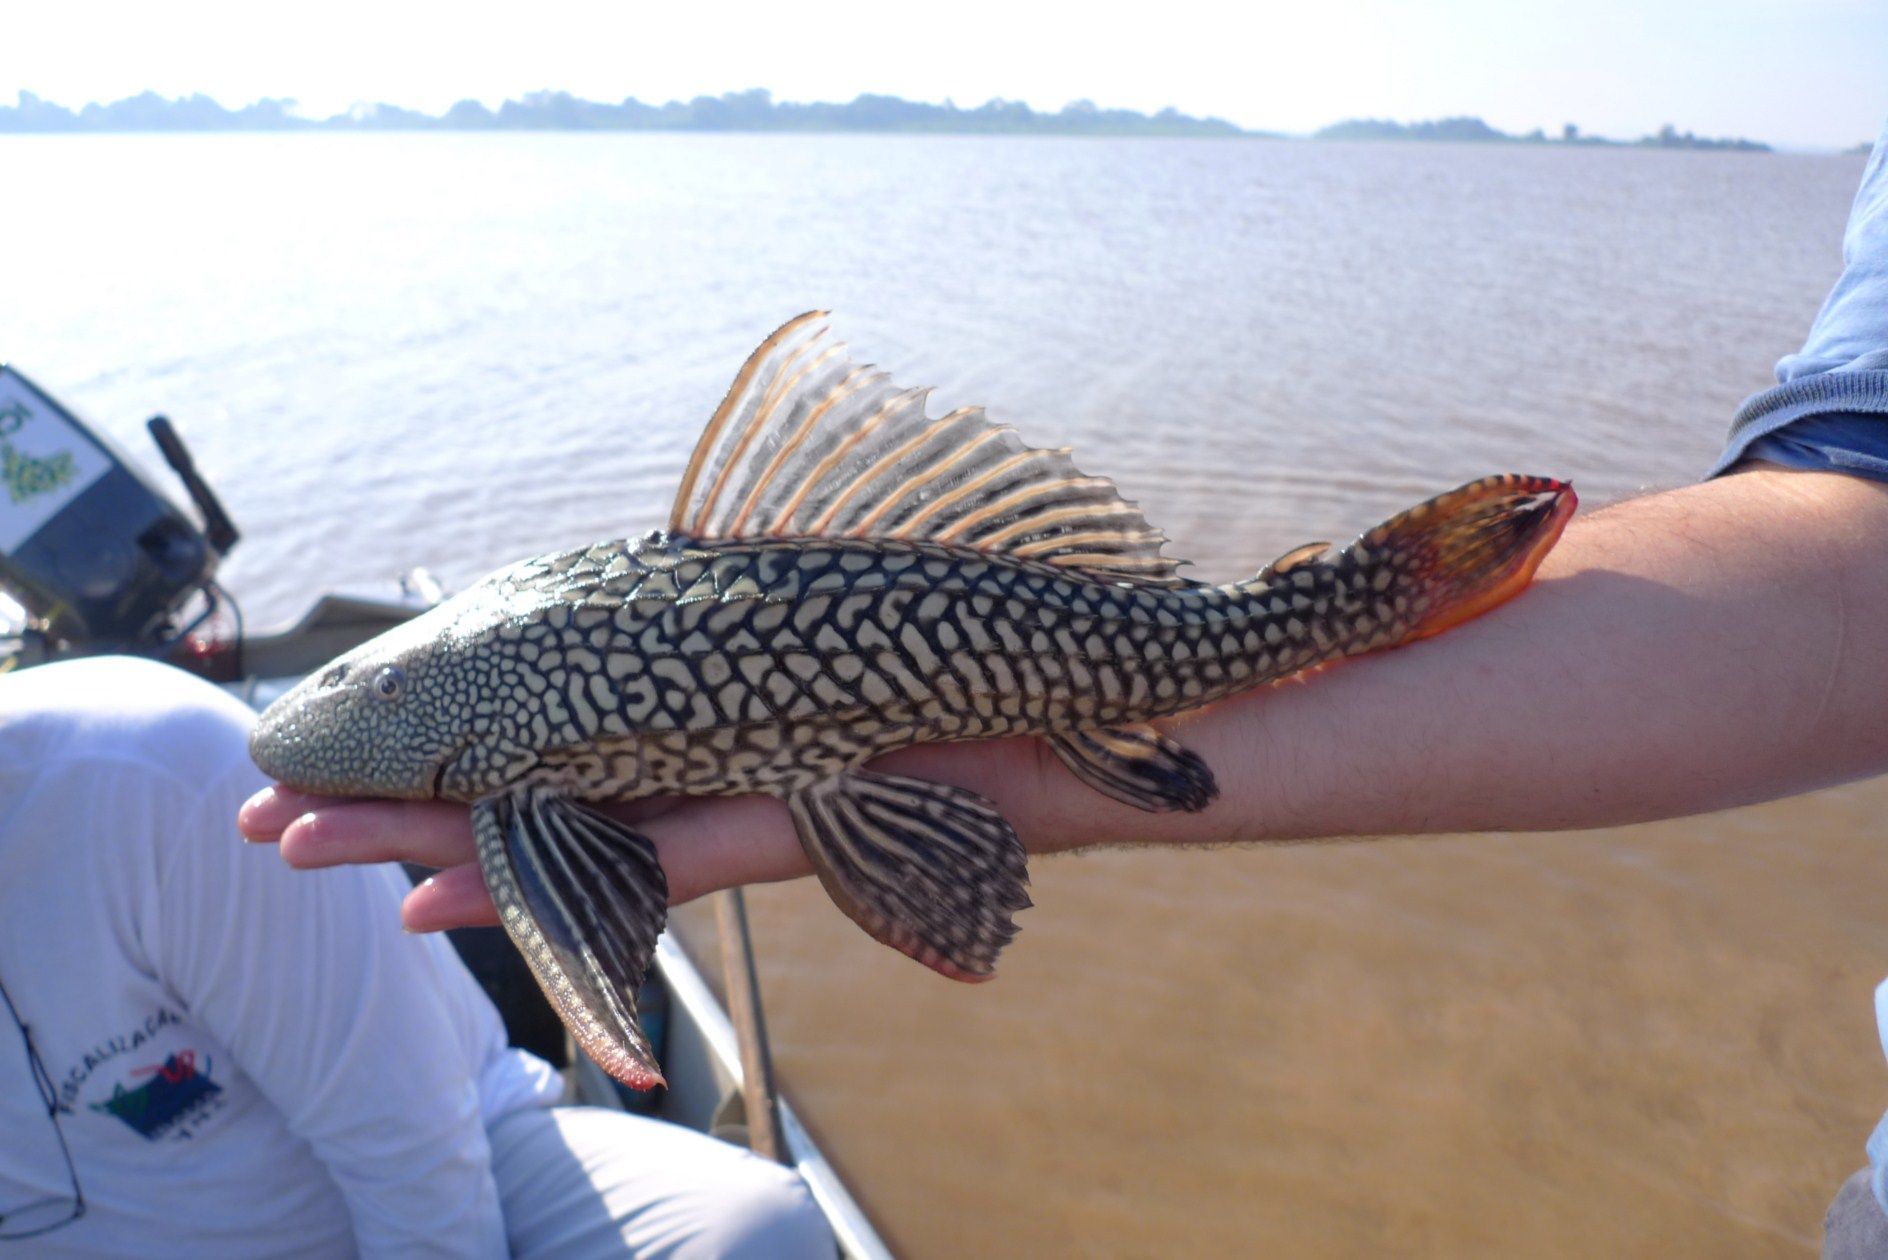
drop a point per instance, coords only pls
(1683, 652)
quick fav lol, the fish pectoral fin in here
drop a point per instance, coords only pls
(932, 871)
(1138, 766)
(584, 899)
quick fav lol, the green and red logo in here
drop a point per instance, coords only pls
(173, 1093)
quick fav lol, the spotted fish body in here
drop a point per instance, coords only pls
(843, 576)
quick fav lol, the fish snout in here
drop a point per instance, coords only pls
(282, 748)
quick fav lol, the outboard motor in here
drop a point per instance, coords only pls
(100, 559)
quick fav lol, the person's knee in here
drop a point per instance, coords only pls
(587, 1182)
(1855, 1228)
(767, 1214)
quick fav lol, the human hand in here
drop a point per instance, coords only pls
(704, 843)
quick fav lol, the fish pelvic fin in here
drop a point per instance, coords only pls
(1459, 554)
(583, 898)
(809, 443)
(930, 870)
(1138, 766)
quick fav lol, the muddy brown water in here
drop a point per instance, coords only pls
(458, 350)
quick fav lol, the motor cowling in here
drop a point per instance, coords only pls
(95, 553)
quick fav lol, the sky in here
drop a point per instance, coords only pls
(1796, 73)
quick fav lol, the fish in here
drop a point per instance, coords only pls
(841, 575)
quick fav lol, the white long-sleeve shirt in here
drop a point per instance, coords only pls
(247, 1060)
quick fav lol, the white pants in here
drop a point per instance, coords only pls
(578, 1182)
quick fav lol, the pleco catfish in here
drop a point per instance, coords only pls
(843, 575)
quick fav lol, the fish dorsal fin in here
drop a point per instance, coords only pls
(1296, 558)
(810, 444)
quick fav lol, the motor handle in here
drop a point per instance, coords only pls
(218, 530)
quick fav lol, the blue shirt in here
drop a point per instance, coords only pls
(1829, 412)
(1829, 409)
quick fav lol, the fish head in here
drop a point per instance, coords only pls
(387, 719)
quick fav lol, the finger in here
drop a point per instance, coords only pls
(264, 816)
(720, 842)
(430, 833)
(455, 897)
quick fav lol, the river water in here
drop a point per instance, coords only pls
(455, 350)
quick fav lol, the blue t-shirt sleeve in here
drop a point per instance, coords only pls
(1829, 408)
(1832, 441)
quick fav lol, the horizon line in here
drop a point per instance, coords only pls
(756, 110)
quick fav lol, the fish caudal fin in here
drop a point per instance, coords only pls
(932, 871)
(1458, 555)
(584, 899)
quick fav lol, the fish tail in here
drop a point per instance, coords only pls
(1453, 557)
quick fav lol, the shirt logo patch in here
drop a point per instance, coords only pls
(173, 1097)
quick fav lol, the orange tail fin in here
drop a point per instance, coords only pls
(1470, 550)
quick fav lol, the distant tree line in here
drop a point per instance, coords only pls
(1474, 130)
(754, 110)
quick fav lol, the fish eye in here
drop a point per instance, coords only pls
(389, 683)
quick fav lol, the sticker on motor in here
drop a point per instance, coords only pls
(45, 462)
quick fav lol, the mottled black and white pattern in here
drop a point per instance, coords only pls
(671, 666)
